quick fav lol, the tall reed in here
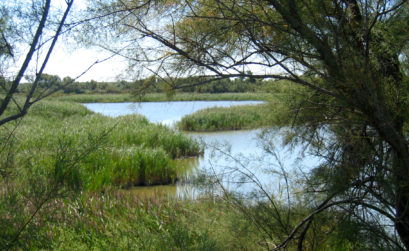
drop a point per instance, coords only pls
(133, 152)
(234, 118)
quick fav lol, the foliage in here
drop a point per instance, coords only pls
(144, 86)
(132, 144)
(27, 28)
(195, 85)
(61, 150)
(233, 118)
(122, 220)
(283, 102)
(352, 57)
(158, 97)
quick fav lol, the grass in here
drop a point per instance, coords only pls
(62, 143)
(126, 151)
(235, 118)
(281, 99)
(156, 97)
(60, 151)
(122, 221)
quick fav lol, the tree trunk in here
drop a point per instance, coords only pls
(391, 131)
(402, 211)
(402, 200)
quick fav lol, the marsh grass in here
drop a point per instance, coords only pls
(156, 97)
(121, 220)
(133, 152)
(86, 154)
(235, 118)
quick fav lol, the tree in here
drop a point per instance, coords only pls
(30, 29)
(36, 44)
(352, 55)
(5, 47)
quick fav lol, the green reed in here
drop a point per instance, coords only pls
(234, 118)
(156, 97)
(133, 150)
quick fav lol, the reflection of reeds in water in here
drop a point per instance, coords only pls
(153, 191)
(185, 169)
(187, 166)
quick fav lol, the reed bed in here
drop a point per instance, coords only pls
(156, 97)
(63, 159)
(123, 221)
(234, 118)
(122, 152)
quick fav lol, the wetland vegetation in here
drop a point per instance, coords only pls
(93, 160)
(234, 118)
(334, 76)
(98, 156)
(132, 150)
(95, 156)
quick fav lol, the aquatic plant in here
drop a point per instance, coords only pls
(134, 151)
(234, 118)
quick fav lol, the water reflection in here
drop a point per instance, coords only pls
(247, 161)
(153, 191)
(161, 112)
(239, 161)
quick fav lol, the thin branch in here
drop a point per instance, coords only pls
(26, 62)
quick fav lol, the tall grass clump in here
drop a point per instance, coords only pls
(119, 221)
(234, 118)
(130, 167)
(134, 151)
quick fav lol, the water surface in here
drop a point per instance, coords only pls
(161, 112)
(241, 161)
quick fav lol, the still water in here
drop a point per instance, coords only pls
(240, 161)
(161, 112)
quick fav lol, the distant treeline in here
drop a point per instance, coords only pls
(199, 85)
(149, 85)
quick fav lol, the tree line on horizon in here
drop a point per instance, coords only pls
(151, 84)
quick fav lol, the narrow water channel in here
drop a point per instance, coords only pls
(237, 158)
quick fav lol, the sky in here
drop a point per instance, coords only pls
(72, 62)
(68, 62)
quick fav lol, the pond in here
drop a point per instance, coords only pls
(161, 112)
(241, 161)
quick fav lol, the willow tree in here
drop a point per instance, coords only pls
(351, 54)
